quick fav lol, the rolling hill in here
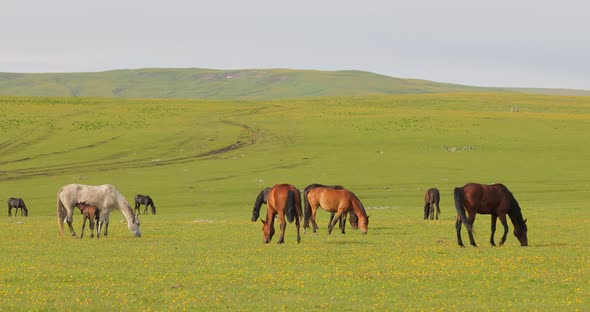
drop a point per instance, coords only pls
(246, 84)
(219, 84)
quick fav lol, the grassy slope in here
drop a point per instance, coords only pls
(202, 252)
(217, 84)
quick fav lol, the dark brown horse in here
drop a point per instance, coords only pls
(431, 198)
(354, 221)
(17, 203)
(338, 201)
(284, 200)
(91, 213)
(495, 200)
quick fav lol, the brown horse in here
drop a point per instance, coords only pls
(338, 201)
(431, 198)
(354, 221)
(91, 213)
(495, 200)
(284, 200)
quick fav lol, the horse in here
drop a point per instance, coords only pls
(341, 221)
(431, 198)
(495, 200)
(90, 212)
(144, 200)
(262, 198)
(17, 203)
(334, 200)
(106, 197)
(284, 200)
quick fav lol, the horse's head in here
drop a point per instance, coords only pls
(267, 231)
(520, 233)
(133, 226)
(153, 210)
(364, 225)
(25, 211)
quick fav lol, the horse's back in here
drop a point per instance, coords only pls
(487, 198)
(278, 195)
(329, 198)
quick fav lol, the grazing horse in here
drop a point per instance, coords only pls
(144, 200)
(262, 198)
(338, 201)
(495, 200)
(90, 212)
(17, 203)
(284, 200)
(431, 198)
(354, 223)
(106, 197)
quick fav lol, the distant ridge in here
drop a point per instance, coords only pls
(255, 84)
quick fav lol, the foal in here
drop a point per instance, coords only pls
(90, 212)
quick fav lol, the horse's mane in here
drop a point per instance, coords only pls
(261, 199)
(515, 213)
(360, 204)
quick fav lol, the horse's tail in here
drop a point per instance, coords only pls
(290, 210)
(459, 196)
(257, 205)
(61, 214)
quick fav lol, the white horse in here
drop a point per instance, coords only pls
(105, 197)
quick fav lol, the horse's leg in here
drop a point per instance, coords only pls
(505, 224)
(313, 223)
(431, 211)
(426, 211)
(458, 227)
(83, 226)
(471, 220)
(494, 219)
(106, 228)
(91, 226)
(336, 217)
(9, 211)
(283, 227)
(331, 218)
(69, 218)
(437, 210)
(343, 222)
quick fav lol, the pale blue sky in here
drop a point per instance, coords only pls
(486, 43)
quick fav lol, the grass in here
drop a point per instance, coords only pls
(204, 162)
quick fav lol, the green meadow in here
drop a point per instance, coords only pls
(205, 161)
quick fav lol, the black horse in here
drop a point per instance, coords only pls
(144, 200)
(17, 203)
(431, 198)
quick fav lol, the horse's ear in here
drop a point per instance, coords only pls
(263, 221)
(525, 220)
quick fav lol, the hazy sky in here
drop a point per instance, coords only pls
(485, 43)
